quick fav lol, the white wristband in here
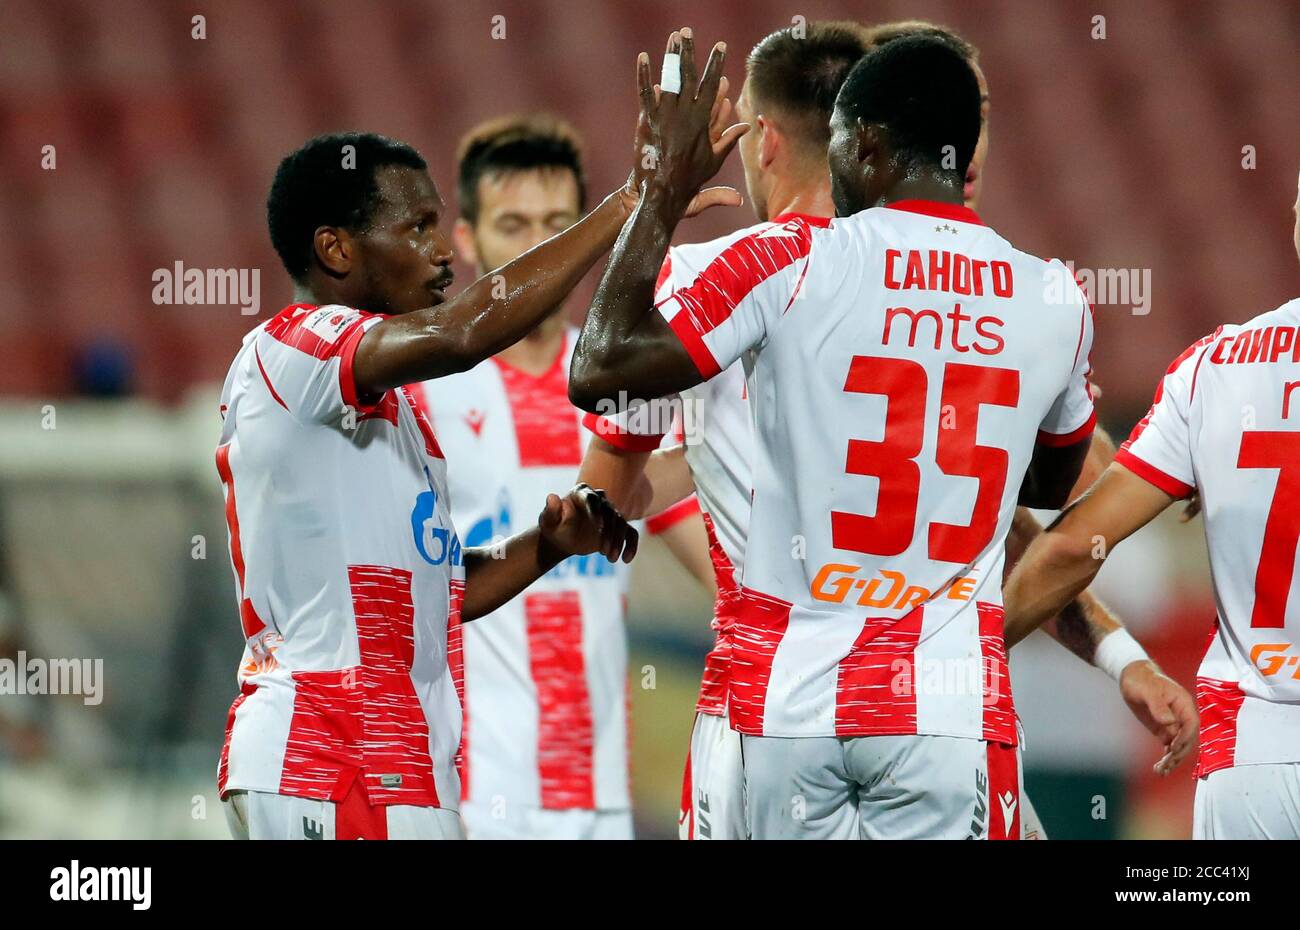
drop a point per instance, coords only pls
(670, 76)
(1116, 651)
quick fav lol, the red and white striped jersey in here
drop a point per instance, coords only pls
(348, 572)
(901, 364)
(546, 722)
(718, 444)
(1226, 424)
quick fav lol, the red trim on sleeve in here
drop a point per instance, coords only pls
(618, 437)
(1068, 439)
(1152, 475)
(347, 380)
(669, 517)
(693, 341)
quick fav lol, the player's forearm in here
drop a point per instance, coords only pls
(1082, 625)
(1101, 452)
(496, 574)
(1084, 621)
(494, 312)
(670, 478)
(1055, 570)
(624, 344)
(620, 474)
(688, 541)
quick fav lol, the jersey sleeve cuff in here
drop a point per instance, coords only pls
(1074, 436)
(347, 380)
(618, 437)
(1152, 475)
(684, 509)
(692, 340)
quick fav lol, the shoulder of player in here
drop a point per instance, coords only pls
(745, 257)
(694, 257)
(314, 330)
(1286, 315)
(1222, 343)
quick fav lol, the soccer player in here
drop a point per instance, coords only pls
(839, 328)
(1223, 425)
(546, 702)
(350, 578)
(791, 83)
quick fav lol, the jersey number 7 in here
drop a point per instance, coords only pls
(893, 459)
(1280, 450)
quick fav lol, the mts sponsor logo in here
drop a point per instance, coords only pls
(837, 582)
(954, 273)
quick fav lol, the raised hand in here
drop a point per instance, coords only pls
(584, 521)
(683, 137)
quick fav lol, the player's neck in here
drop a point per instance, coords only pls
(808, 198)
(922, 187)
(536, 352)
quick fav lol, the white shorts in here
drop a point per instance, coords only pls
(881, 787)
(1249, 802)
(486, 822)
(713, 788)
(257, 815)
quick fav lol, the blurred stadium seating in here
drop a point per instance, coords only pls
(1122, 152)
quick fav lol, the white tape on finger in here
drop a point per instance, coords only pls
(670, 78)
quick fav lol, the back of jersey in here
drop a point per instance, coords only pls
(1226, 424)
(904, 361)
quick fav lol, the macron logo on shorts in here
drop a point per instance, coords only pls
(1008, 801)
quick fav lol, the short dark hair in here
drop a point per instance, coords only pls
(906, 28)
(321, 184)
(926, 96)
(516, 143)
(799, 71)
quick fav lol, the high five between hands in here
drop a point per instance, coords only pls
(683, 137)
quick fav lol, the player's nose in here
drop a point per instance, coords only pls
(442, 250)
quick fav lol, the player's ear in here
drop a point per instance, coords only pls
(462, 236)
(334, 249)
(769, 141)
(868, 135)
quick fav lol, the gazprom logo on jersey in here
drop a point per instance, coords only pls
(494, 529)
(435, 543)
